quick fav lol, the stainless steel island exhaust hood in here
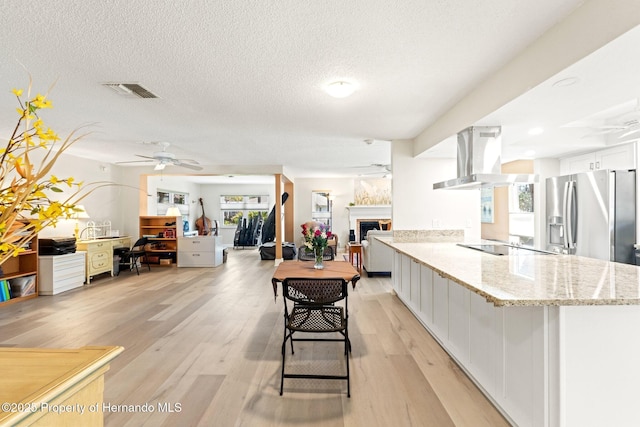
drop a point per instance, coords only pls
(479, 150)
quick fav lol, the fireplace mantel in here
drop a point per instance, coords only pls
(367, 212)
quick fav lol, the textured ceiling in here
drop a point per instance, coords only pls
(240, 82)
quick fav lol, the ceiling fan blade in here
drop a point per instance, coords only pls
(191, 161)
(135, 161)
(145, 157)
(188, 166)
(630, 132)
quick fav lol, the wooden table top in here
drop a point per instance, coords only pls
(31, 376)
(305, 269)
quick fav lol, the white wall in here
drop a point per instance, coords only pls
(416, 206)
(102, 204)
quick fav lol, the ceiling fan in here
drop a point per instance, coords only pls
(382, 169)
(164, 158)
(618, 123)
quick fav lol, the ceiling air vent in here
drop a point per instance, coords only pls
(130, 89)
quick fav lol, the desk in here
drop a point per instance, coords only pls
(355, 249)
(100, 254)
(305, 269)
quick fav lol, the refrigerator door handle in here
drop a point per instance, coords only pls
(565, 216)
(570, 191)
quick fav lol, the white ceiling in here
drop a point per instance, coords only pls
(241, 83)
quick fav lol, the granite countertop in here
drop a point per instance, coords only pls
(526, 280)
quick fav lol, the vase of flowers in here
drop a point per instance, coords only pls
(316, 237)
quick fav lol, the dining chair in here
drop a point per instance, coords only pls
(131, 257)
(327, 255)
(310, 307)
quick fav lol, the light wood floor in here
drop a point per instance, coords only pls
(208, 341)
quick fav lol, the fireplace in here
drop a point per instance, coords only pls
(365, 225)
(368, 214)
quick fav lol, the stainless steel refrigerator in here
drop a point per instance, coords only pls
(593, 214)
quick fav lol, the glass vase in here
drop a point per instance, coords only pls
(318, 253)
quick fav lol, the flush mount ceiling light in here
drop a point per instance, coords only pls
(340, 89)
(569, 81)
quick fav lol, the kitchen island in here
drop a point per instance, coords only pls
(550, 339)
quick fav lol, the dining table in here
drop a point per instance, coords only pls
(305, 269)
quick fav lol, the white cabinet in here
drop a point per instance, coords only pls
(619, 157)
(200, 251)
(59, 273)
(501, 348)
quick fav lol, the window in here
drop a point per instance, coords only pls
(236, 207)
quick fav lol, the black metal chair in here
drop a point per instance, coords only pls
(130, 257)
(327, 255)
(310, 307)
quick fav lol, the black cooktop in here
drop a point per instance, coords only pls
(504, 249)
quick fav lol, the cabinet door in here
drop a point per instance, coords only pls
(414, 292)
(578, 164)
(617, 158)
(441, 307)
(459, 321)
(405, 286)
(426, 295)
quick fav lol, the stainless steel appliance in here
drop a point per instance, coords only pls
(593, 214)
(479, 165)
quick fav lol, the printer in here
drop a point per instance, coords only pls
(57, 246)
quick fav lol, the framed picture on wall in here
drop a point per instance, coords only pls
(486, 205)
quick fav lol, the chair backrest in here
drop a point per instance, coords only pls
(327, 255)
(140, 243)
(314, 290)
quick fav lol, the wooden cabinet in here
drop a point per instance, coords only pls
(163, 233)
(620, 157)
(200, 251)
(100, 254)
(60, 273)
(22, 272)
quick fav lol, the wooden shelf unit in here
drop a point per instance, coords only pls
(25, 264)
(163, 247)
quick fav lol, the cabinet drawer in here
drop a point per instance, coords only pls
(195, 259)
(66, 273)
(69, 263)
(98, 247)
(197, 244)
(100, 259)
